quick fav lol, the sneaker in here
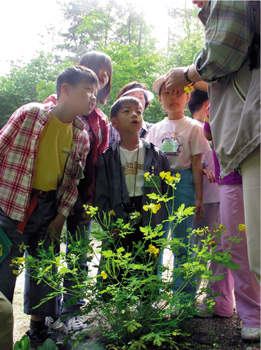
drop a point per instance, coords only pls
(38, 337)
(53, 324)
(248, 333)
(74, 326)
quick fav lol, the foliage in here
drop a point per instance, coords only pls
(132, 64)
(24, 344)
(127, 302)
(95, 23)
(29, 82)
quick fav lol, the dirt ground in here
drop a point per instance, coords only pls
(211, 333)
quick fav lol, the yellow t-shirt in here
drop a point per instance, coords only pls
(52, 152)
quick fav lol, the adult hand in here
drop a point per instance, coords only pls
(175, 78)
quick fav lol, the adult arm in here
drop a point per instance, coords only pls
(228, 36)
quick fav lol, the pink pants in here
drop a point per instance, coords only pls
(246, 286)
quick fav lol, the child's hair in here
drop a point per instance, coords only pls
(74, 75)
(95, 60)
(134, 85)
(197, 98)
(120, 103)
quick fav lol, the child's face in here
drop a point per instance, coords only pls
(140, 96)
(170, 102)
(103, 76)
(129, 118)
(82, 97)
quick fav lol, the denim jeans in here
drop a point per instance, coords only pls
(34, 231)
(74, 228)
(185, 193)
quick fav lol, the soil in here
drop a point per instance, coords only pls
(208, 333)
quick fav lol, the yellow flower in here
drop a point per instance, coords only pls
(112, 212)
(146, 175)
(21, 260)
(242, 227)
(211, 242)
(162, 175)
(178, 175)
(15, 272)
(13, 261)
(170, 178)
(155, 208)
(188, 88)
(156, 252)
(145, 207)
(151, 248)
(104, 275)
(221, 226)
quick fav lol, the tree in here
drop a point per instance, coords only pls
(94, 23)
(29, 82)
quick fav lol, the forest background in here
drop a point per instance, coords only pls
(119, 29)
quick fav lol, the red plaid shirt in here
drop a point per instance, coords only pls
(18, 144)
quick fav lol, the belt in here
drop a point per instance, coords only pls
(36, 194)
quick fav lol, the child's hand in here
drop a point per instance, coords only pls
(209, 174)
(199, 210)
(55, 228)
(87, 217)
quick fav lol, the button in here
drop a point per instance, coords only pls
(30, 175)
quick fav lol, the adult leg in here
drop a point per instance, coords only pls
(250, 168)
(246, 287)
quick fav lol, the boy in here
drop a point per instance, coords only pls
(120, 176)
(43, 151)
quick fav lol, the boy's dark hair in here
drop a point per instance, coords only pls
(74, 75)
(120, 102)
(197, 98)
(134, 85)
(94, 60)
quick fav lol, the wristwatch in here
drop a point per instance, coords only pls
(186, 74)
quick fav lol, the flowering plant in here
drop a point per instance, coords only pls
(127, 302)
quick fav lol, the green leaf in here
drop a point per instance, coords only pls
(49, 344)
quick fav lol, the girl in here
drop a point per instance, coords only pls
(140, 91)
(181, 139)
(97, 126)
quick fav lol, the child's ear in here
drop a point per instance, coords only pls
(159, 99)
(188, 97)
(114, 122)
(65, 88)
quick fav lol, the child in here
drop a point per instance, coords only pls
(197, 105)
(140, 91)
(97, 126)
(43, 151)
(181, 139)
(120, 176)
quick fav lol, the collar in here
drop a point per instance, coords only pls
(115, 144)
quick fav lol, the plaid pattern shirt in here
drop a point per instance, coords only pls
(227, 38)
(18, 143)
